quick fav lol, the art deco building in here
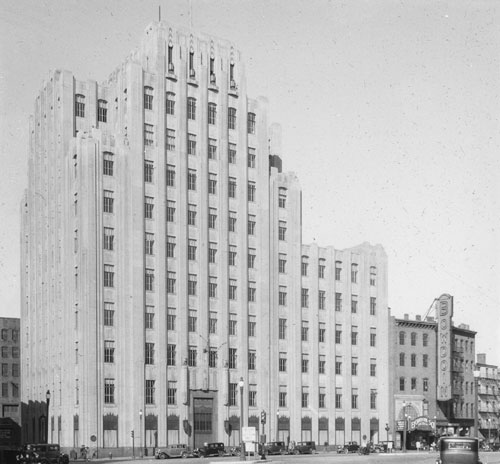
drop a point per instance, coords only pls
(433, 381)
(163, 262)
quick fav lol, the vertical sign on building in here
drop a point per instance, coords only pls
(444, 315)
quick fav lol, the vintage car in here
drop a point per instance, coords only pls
(304, 447)
(174, 451)
(275, 447)
(349, 447)
(458, 450)
(44, 453)
(210, 449)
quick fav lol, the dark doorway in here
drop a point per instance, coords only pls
(203, 421)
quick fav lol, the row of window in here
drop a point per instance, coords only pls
(14, 370)
(338, 270)
(413, 338)
(14, 335)
(14, 390)
(13, 350)
(413, 384)
(413, 360)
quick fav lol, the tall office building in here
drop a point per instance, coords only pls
(164, 271)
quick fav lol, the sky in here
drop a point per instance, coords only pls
(389, 111)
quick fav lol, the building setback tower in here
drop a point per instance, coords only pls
(163, 262)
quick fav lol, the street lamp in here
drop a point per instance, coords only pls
(47, 397)
(140, 432)
(404, 427)
(476, 394)
(387, 428)
(243, 454)
(277, 425)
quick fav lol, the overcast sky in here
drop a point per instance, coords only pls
(390, 116)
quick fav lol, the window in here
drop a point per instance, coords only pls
(305, 397)
(413, 339)
(338, 301)
(231, 118)
(212, 287)
(282, 362)
(233, 357)
(171, 352)
(170, 103)
(304, 265)
(109, 275)
(149, 317)
(233, 394)
(425, 339)
(148, 171)
(322, 364)
(170, 175)
(252, 323)
(401, 359)
(354, 273)
(425, 384)
(251, 123)
(109, 236)
(282, 396)
(170, 211)
(413, 360)
(149, 242)
(304, 331)
(171, 281)
(354, 335)
(79, 106)
(109, 314)
(232, 221)
(192, 320)
(191, 215)
(373, 336)
(252, 356)
(109, 391)
(231, 153)
(5, 351)
(251, 157)
(282, 230)
(212, 183)
(252, 396)
(373, 306)
(251, 258)
(233, 323)
(425, 360)
(150, 392)
(109, 351)
(148, 135)
(338, 334)
(413, 383)
(354, 304)
(402, 337)
(212, 357)
(338, 270)
(170, 140)
(251, 191)
(232, 255)
(192, 283)
(282, 263)
(282, 329)
(15, 370)
(149, 279)
(170, 246)
(338, 398)
(191, 146)
(191, 179)
(212, 322)
(107, 163)
(321, 268)
(108, 201)
(212, 252)
(354, 366)
(172, 392)
(354, 398)
(212, 113)
(192, 250)
(212, 149)
(251, 224)
(149, 356)
(252, 291)
(304, 298)
(373, 275)
(321, 299)
(373, 399)
(15, 352)
(373, 367)
(321, 332)
(148, 207)
(192, 355)
(232, 187)
(148, 98)
(191, 108)
(102, 111)
(282, 295)
(232, 289)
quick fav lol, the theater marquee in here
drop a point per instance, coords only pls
(444, 315)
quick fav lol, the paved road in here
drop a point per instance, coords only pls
(328, 458)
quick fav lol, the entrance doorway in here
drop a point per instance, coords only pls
(203, 430)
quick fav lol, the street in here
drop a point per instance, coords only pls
(382, 458)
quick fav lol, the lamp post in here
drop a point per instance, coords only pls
(243, 454)
(47, 397)
(476, 394)
(387, 428)
(140, 432)
(404, 426)
(277, 425)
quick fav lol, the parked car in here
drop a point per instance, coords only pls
(275, 447)
(179, 450)
(458, 449)
(304, 447)
(351, 447)
(495, 447)
(210, 449)
(45, 453)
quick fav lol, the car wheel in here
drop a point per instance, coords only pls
(221, 453)
(184, 455)
(163, 456)
(296, 451)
